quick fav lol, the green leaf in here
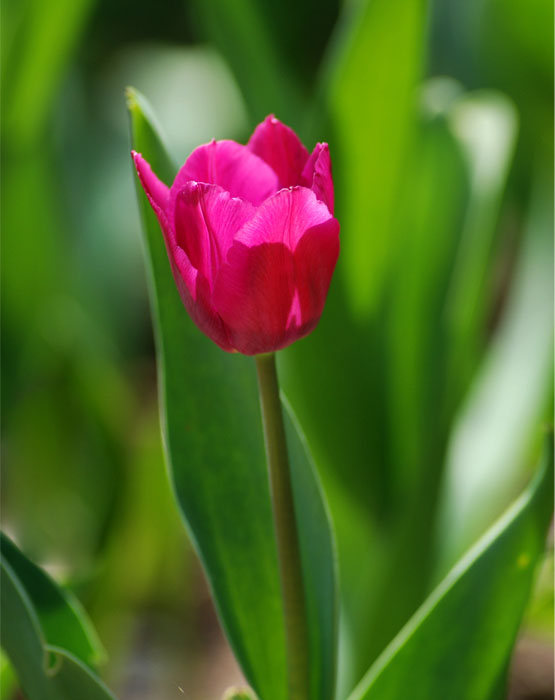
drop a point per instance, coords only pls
(213, 434)
(372, 103)
(238, 694)
(494, 433)
(8, 679)
(317, 557)
(36, 618)
(62, 620)
(38, 48)
(485, 123)
(459, 642)
(435, 189)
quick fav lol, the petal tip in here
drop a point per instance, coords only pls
(155, 189)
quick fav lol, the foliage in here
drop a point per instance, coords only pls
(46, 634)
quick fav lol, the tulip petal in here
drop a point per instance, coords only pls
(284, 218)
(156, 191)
(195, 292)
(281, 148)
(272, 288)
(206, 221)
(317, 174)
(157, 194)
(253, 295)
(233, 167)
(192, 285)
(315, 258)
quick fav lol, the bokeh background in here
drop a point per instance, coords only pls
(439, 117)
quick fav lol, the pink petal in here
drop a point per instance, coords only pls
(158, 195)
(195, 292)
(192, 285)
(271, 268)
(315, 258)
(231, 166)
(281, 148)
(156, 191)
(317, 174)
(284, 218)
(206, 221)
(253, 295)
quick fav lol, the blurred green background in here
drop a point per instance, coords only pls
(424, 390)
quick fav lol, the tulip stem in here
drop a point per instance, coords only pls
(285, 524)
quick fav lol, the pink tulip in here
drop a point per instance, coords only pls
(251, 236)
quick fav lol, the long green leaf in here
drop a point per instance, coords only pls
(485, 124)
(318, 560)
(373, 108)
(435, 192)
(495, 430)
(458, 644)
(35, 620)
(212, 429)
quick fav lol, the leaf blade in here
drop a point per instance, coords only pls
(383, 52)
(466, 661)
(61, 618)
(45, 671)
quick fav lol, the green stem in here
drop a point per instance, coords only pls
(285, 523)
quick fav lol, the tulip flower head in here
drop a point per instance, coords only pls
(251, 236)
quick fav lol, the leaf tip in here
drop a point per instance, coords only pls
(131, 98)
(234, 693)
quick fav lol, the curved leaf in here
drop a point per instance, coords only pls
(45, 670)
(212, 430)
(63, 622)
(458, 644)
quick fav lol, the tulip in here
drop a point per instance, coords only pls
(251, 236)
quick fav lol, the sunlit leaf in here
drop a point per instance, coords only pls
(372, 103)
